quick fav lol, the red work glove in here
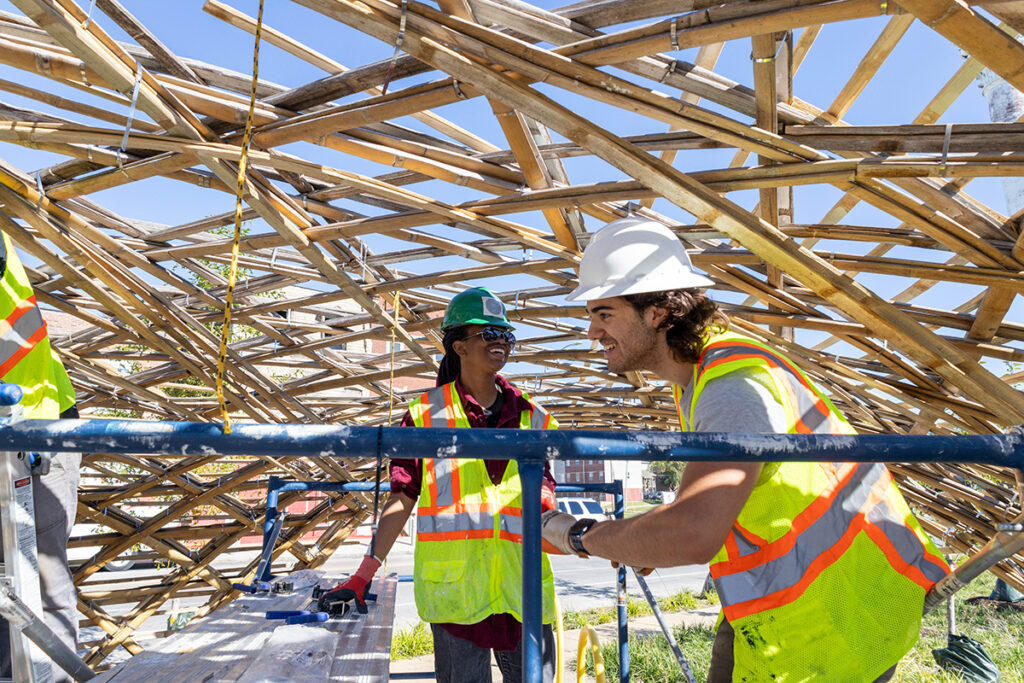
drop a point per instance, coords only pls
(547, 499)
(354, 588)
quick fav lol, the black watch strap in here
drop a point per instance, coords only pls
(576, 534)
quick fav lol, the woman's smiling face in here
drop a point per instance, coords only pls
(474, 352)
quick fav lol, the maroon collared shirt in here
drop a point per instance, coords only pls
(498, 631)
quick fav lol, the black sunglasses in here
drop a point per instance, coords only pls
(493, 334)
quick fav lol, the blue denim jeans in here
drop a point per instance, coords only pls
(460, 661)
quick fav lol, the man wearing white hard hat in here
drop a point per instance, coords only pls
(821, 568)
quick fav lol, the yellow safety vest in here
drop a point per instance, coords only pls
(468, 557)
(26, 358)
(823, 574)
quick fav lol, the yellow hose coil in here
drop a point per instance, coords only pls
(588, 632)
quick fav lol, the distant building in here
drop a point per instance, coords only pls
(577, 471)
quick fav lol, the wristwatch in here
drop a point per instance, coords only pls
(576, 532)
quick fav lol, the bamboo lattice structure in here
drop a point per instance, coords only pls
(327, 247)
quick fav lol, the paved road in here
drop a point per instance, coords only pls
(579, 584)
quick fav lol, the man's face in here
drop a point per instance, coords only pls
(628, 338)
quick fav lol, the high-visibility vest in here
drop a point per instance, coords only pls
(26, 358)
(824, 573)
(469, 532)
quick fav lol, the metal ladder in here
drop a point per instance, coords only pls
(33, 643)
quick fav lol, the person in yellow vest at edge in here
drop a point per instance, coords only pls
(821, 568)
(468, 553)
(27, 360)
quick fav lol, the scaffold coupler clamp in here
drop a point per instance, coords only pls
(17, 613)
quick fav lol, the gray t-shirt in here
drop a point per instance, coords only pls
(737, 402)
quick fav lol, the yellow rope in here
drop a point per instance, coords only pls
(233, 272)
(391, 379)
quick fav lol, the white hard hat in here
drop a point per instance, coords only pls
(632, 256)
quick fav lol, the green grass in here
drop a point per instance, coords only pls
(639, 507)
(635, 607)
(413, 641)
(1000, 630)
(651, 659)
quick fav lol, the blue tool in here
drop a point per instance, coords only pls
(253, 588)
(308, 618)
(258, 586)
(10, 394)
(285, 613)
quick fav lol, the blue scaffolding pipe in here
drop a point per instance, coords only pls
(531, 448)
(202, 438)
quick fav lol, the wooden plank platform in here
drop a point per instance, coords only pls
(238, 643)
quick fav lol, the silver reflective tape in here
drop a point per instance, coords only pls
(807, 408)
(448, 523)
(512, 524)
(16, 338)
(905, 541)
(443, 474)
(437, 408)
(784, 572)
(538, 418)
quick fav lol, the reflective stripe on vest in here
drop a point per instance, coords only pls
(756, 578)
(461, 525)
(538, 418)
(806, 411)
(444, 517)
(19, 333)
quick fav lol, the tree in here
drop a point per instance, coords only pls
(668, 473)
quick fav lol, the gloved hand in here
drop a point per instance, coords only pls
(547, 499)
(554, 528)
(354, 588)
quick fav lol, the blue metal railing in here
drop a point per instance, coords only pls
(531, 449)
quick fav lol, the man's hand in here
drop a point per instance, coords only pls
(642, 571)
(555, 527)
(354, 588)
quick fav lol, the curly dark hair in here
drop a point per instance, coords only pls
(692, 317)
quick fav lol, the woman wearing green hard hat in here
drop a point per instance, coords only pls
(468, 566)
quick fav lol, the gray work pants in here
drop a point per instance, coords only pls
(460, 661)
(56, 502)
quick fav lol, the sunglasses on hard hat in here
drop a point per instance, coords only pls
(493, 334)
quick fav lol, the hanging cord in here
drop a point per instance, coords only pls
(380, 435)
(398, 50)
(391, 376)
(233, 272)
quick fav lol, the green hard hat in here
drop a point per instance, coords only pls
(476, 306)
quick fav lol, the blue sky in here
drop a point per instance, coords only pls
(918, 68)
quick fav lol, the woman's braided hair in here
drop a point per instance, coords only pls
(451, 365)
(692, 318)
